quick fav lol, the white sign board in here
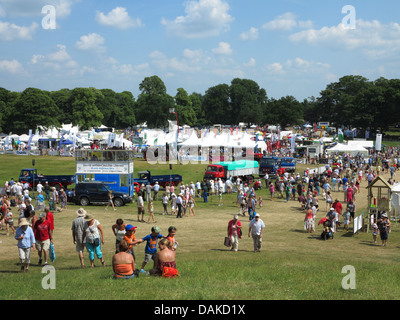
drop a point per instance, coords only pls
(378, 144)
(93, 167)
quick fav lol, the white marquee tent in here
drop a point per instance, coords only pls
(348, 149)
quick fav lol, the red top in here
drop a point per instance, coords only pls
(338, 207)
(50, 219)
(232, 227)
(42, 230)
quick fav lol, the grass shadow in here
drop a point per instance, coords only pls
(9, 271)
(229, 250)
(369, 243)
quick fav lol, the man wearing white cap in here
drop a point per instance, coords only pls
(256, 229)
(332, 215)
(156, 189)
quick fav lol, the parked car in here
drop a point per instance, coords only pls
(86, 193)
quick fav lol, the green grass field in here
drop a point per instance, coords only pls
(292, 265)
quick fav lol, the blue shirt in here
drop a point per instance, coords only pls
(151, 245)
(28, 240)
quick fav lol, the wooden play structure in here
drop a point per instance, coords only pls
(379, 199)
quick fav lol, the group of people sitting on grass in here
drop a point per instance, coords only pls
(124, 258)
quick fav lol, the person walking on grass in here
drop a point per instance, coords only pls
(110, 201)
(309, 220)
(384, 227)
(93, 237)
(140, 206)
(272, 190)
(256, 229)
(43, 237)
(151, 210)
(165, 201)
(191, 204)
(78, 226)
(235, 232)
(26, 241)
(9, 220)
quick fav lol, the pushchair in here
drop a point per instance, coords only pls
(327, 232)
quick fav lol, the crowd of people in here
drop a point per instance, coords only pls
(338, 186)
(334, 193)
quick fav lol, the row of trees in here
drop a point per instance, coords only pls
(352, 101)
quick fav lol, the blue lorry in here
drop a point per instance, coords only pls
(275, 166)
(31, 177)
(269, 165)
(288, 163)
(145, 177)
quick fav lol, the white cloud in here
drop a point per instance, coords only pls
(12, 66)
(61, 55)
(192, 54)
(56, 60)
(118, 18)
(92, 41)
(286, 22)
(373, 38)
(297, 66)
(305, 65)
(36, 58)
(11, 31)
(204, 18)
(251, 63)
(275, 68)
(223, 48)
(252, 34)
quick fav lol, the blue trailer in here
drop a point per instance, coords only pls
(288, 163)
(145, 177)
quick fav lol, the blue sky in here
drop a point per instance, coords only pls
(289, 47)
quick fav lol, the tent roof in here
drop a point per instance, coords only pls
(396, 187)
(192, 141)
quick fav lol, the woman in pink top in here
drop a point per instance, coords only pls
(272, 190)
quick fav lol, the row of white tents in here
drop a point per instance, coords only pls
(69, 133)
(352, 148)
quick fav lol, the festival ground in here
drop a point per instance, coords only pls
(292, 264)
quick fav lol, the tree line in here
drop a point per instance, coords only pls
(353, 101)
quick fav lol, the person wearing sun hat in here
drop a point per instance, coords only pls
(26, 240)
(256, 229)
(78, 226)
(384, 227)
(93, 237)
